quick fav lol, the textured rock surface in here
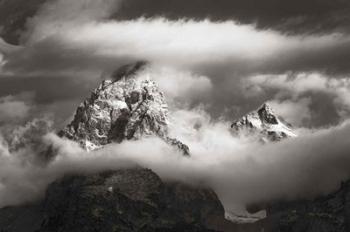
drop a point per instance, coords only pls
(265, 124)
(124, 200)
(325, 214)
(127, 108)
(127, 200)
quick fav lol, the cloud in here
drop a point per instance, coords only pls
(57, 15)
(204, 61)
(240, 172)
(239, 48)
(180, 87)
(297, 112)
(332, 92)
(15, 108)
(215, 66)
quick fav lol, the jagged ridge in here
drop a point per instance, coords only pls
(127, 108)
(264, 122)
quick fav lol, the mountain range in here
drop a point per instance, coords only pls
(129, 106)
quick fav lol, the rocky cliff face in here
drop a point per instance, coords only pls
(128, 107)
(263, 123)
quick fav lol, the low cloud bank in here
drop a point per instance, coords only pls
(241, 172)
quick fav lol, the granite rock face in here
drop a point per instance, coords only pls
(263, 123)
(129, 107)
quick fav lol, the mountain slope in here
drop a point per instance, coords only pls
(125, 200)
(264, 123)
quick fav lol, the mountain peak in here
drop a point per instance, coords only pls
(267, 114)
(265, 123)
(122, 109)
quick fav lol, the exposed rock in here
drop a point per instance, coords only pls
(127, 108)
(263, 123)
(123, 200)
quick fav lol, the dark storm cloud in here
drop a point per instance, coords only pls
(298, 16)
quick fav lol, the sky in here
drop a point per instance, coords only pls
(215, 60)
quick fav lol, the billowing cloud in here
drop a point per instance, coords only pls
(297, 112)
(319, 89)
(241, 172)
(230, 47)
(201, 61)
(219, 55)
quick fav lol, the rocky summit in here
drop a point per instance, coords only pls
(127, 107)
(265, 124)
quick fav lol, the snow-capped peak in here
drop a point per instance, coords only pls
(127, 107)
(265, 123)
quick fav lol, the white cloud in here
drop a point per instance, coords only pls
(297, 112)
(298, 88)
(57, 15)
(178, 85)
